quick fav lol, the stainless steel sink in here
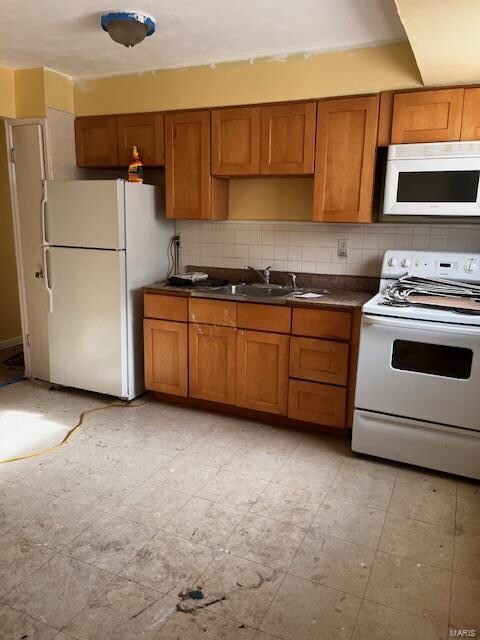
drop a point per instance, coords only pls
(253, 290)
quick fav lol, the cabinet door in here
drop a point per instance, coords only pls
(262, 371)
(145, 131)
(345, 159)
(427, 116)
(288, 139)
(320, 403)
(191, 192)
(212, 363)
(236, 141)
(96, 141)
(166, 364)
(471, 115)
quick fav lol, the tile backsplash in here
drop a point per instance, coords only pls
(312, 247)
(61, 145)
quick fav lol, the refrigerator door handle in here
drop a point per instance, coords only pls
(44, 213)
(47, 279)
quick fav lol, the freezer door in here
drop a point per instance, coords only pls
(85, 213)
(87, 319)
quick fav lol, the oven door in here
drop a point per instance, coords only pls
(432, 187)
(421, 370)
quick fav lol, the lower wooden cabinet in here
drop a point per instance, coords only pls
(166, 362)
(212, 352)
(251, 356)
(314, 402)
(262, 371)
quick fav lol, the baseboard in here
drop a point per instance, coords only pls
(11, 342)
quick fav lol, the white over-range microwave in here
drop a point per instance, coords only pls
(434, 182)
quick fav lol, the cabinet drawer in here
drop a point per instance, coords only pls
(165, 307)
(318, 323)
(319, 360)
(314, 402)
(217, 312)
(263, 317)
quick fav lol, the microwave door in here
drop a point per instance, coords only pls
(432, 187)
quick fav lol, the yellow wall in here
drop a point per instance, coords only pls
(356, 71)
(29, 93)
(271, 199)
(444, 36)
(26, 93)
(7, 93)
(10, 316)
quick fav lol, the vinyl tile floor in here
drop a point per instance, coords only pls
(158, 522)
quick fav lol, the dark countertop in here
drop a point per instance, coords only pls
(346, 292)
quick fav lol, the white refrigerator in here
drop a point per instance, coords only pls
(103, 240)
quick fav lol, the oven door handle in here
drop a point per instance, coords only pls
(459, 329)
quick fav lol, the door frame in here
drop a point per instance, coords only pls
(9, 125)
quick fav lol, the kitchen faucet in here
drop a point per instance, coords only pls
(265, 274)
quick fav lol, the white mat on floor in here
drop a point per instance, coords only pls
(35, 418)
(22, 433)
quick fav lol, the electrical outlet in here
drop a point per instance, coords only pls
(179, 240)
(342, 248)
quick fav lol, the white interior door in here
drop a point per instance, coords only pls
(87, 320)
(28, 173)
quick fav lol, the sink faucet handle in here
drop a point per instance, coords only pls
(266, 272)
(293, 276)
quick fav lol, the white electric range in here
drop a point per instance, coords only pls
(417, 398)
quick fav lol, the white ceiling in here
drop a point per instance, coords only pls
(65, 35)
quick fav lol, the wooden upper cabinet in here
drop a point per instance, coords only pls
(96, 141)
(288, 139)
(191, 192)
(345, 159)
(262, 371)
(427, 116)
(471, 115)
(236, 141)
(145, 131)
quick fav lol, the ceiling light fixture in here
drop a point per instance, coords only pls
(128, 27)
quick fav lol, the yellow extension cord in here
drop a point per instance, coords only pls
(73, 429)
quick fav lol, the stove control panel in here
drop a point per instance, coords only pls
(431, 264)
